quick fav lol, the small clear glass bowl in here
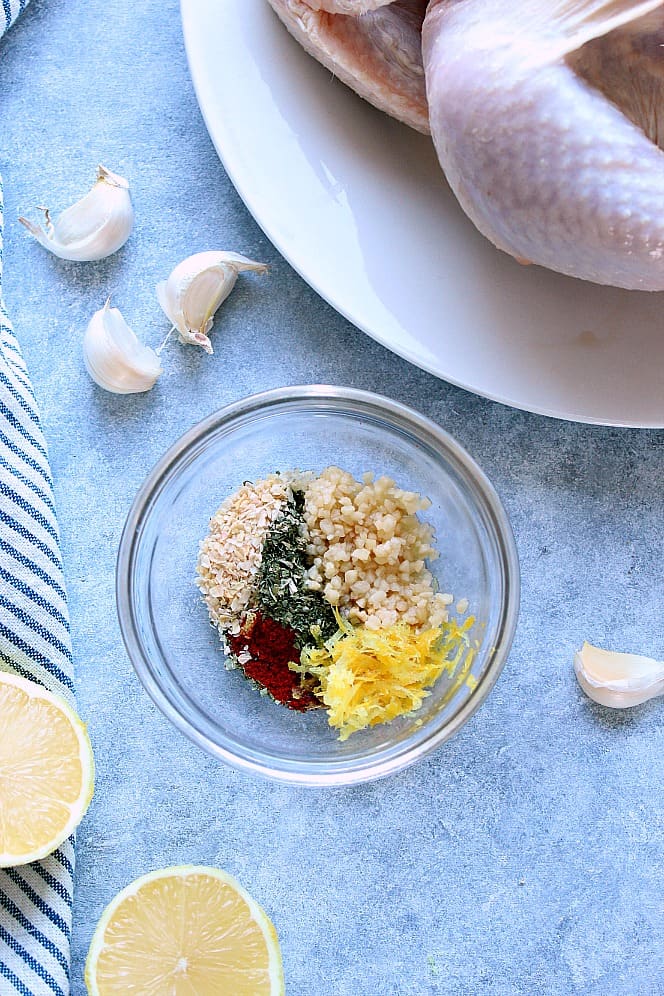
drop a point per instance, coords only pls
(177, 653)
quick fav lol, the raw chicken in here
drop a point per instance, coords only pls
(353, 7)
(378, 54)
(548, 119)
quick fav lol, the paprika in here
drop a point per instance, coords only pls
(270, 648)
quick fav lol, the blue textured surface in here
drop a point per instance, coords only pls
(525, 857)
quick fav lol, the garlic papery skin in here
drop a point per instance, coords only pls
(93, 228)
(618, 680)
(195, 289)
(114, 357)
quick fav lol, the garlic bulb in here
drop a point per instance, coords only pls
(195, 289)
(93, 228)
(618, 680)
(114, 357)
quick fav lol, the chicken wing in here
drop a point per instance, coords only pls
(548, 120)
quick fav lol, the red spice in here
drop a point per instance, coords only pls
(271, 647)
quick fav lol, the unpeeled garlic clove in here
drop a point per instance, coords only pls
(195, 289)
(114, 357)
(618, 680)
(93, 228)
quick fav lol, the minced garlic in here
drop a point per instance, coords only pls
(370, 550)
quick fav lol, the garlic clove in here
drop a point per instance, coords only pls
(618, 680)
(93, 228)
(194, 290)
(114, 357)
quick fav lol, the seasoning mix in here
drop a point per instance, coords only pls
(319, 587)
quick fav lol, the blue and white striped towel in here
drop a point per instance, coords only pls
(10, 11)
(35, 900)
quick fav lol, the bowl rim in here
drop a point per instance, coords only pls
(386, 760)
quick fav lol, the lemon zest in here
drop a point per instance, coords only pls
(371, 676)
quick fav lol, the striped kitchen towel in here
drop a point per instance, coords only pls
(35, 900)
(10, 11)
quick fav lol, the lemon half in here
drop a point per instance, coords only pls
(46, 771)
(183, 931)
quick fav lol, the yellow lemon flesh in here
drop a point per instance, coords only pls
(46, 771)
(185, 931)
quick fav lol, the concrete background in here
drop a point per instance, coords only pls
(525, 857)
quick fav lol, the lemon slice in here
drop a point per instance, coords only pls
(184, 931)
(46, 771)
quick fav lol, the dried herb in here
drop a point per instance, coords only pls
(282, 592)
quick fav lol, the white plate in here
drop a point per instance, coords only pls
(358, 205)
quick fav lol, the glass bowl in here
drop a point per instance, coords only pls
(177, 653)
